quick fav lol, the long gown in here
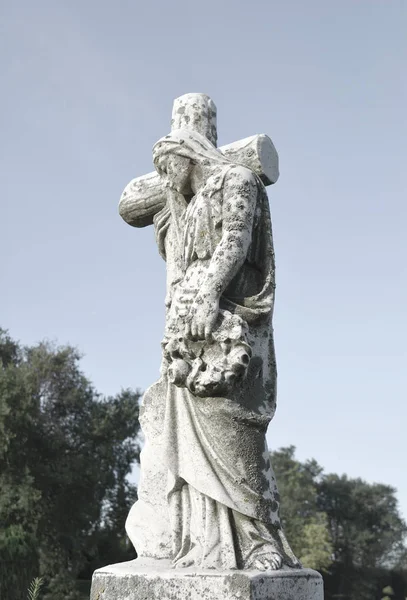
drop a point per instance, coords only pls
(222, 493)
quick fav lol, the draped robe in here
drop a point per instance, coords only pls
(222, 493)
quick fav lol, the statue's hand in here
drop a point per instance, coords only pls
(202, 316)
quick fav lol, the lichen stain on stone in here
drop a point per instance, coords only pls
(97, 594)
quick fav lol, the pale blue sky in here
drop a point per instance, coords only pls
(87, 88)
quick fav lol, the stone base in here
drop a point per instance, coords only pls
(149, 579)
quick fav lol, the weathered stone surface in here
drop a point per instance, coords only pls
(145, 196)
(207, 496)
(147, 524)
(144, 579)
(196, 112)
(258, 154)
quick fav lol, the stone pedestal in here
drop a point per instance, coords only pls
(149, 579)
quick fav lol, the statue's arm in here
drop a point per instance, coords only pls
(238, 208)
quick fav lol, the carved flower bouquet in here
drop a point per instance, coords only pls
(208, 367)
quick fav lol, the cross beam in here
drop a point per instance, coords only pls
(144, 196)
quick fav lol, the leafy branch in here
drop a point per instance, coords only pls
(35, 588)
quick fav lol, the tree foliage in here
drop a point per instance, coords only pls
(348, 529)
(65, 453)
(364, 522)
(305, 526)
(35, 588)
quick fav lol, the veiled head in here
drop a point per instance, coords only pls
(175, 155)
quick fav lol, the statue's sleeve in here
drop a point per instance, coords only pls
(239, 203)
(238, 208)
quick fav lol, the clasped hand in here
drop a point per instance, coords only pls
(202, 316)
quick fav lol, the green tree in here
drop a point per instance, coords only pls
(347, 528)
(364, 521)
(316, 544)
(65, 454)
(367, 533)
(20, 509)
(305, 525)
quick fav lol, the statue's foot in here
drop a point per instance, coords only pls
(192, 558)
(184, 563)
(268, 562)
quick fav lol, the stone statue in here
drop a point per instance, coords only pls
(206, 523)
(217, 391)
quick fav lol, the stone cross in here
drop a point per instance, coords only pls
(144, 196)
(206, 523)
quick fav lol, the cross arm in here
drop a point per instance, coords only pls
(144, 196)
(141, 199)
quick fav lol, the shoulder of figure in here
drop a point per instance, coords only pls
(240, 174)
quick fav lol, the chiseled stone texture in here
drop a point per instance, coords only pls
(148, 579)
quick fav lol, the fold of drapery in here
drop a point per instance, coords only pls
(210, 535)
